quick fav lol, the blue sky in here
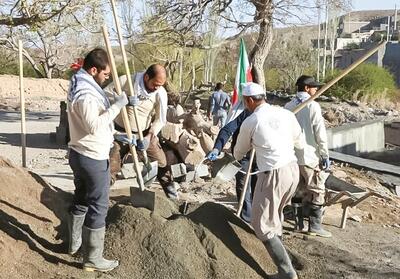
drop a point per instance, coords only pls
(375, 4)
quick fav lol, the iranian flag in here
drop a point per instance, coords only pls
(243, 73)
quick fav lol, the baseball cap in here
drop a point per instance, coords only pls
(252, 89)
(308, 80)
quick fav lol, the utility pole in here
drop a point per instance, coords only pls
(319, 41)
(325, 37)
(388, 29)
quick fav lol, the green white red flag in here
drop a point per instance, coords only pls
(243, 73)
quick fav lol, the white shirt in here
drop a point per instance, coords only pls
(90, 117)
(273, 132)
(152, 108)
(313, 127)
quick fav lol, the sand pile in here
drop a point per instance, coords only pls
(40, 94)
(209, 242)
(30, 226)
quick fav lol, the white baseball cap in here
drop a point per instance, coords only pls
(252, 89)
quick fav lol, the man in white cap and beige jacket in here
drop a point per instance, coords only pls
(274, 133)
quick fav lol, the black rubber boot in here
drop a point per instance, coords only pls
(280, 258)
(169, 187)
(315, 222)
(170, 190)
(93, 246)
(75, 223)
(298, 217)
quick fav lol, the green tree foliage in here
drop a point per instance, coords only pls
(367, 82)
(272, 79)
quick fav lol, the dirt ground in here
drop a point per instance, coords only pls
(203, 239)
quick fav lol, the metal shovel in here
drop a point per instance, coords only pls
(139, 196)
(225, 168)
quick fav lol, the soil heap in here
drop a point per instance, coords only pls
(209, 242)
(30, 227)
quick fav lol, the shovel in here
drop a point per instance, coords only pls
(224, 169)
(150, 170)
(139, 196)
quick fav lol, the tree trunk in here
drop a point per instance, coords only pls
(181, 71)
(261, 49)
(319, 42)
(34, 65)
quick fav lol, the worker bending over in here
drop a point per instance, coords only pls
(274, 133)
(151, 105)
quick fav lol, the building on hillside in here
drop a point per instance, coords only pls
(360, 31)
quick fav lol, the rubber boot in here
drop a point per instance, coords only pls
(93, 246)
(170, 188)
(280, 258)
(315, 222)
(75, 223)
(170, 191)
(298, 217)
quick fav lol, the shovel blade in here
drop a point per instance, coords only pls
(228, 172)
(149, 172)
(145, 199)
(224, 169)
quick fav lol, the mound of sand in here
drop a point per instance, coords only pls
(30, 226)
(40, 94)
(34, 87)
(209, 242)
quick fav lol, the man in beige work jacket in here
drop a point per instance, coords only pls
(151, 105)
(314, 161)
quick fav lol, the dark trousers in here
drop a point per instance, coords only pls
(92, 185)
(248, 198)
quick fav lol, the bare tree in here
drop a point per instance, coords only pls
(292, 54)
(185, 18)
(52, 46)
(28, 13)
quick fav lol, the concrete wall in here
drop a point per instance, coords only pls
(392, 133)
(357, 138)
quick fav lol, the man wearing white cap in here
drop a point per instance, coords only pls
(274, 133)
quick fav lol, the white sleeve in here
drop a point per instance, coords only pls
(318, 125)
(298, 136)
(244, 140)
(93, 119)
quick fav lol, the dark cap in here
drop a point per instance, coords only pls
(309, 81)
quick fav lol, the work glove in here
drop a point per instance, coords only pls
(142, 145)
(326, 163)
(133, 101)
(212, 156)
(124, 139)
(121, 100)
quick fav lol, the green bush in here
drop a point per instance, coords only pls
(272, 79)
(13, 69)
(367, 82)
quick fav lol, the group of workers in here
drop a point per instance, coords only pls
(291, 154)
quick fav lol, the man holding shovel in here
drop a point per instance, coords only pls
(90, 117)
(151, 105)
(315, 161)
(274, 133)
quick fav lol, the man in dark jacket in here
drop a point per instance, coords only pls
(232, 130)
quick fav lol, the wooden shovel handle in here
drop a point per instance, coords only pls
(130, 92)
(125, 118)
